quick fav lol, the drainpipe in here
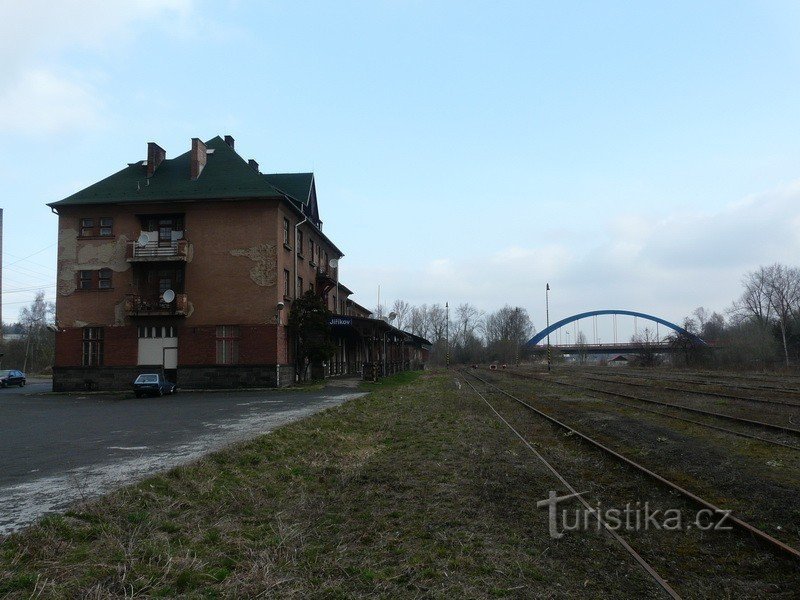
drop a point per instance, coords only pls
(296, 228)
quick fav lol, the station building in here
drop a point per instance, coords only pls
(190, 266)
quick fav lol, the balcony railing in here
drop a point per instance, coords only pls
(153, 251)
(151, 306)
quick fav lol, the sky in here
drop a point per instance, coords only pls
(633, 155)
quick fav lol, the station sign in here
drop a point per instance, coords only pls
(340, 321)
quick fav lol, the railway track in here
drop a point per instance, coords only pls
(648, 568)
(741, 421)
(620, 381)
(771, 542)
(717, 382)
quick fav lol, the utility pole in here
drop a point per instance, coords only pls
(447, 335)
(547, 312)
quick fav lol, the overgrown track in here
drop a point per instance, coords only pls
(764, 537)
(718, 381)
(628, 548)
(747, 422)
(620, 380)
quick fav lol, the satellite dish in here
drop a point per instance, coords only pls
(143, 240)
(168, 296)
(392, 316)
(334, 262)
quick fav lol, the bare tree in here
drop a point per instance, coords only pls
(771, 296)
(754, 301)
(418, 321)
(783, 292)
(506, 331)
(646, 347)
(583, 351)
(40, 342)
(468, 346)
(402, 309)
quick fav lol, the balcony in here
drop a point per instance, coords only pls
(154, 252)
(325, 280)
(147, 306)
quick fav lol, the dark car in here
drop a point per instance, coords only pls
(12, 377)
(152, 384)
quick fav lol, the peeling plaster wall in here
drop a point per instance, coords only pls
(264, 272)
(232, 272)
(75, 255)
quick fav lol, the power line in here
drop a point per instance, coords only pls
(34, 254)
(30, 261)
(28, 289)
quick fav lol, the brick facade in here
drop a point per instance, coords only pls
(229, 242)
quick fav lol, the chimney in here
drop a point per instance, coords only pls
(230, 141)
(197, 158)
(253, 164)
(155, 155)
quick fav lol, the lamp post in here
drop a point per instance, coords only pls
(447, 335)
(547, 312)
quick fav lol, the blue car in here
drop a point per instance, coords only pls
(152, 384)
(12, 377)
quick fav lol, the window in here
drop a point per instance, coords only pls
(286, 228)
(325, 264)
(227, 345)
(92, 346)
(299, 286)
(286, 279)
(106, 226)
(311, 286)
(148, 331)
(313, 250)
(87, 227)
(104, 279)
(84, 280)
(300, 243)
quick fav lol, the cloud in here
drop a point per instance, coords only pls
(665, 266)
(42, 90)
(43, 102)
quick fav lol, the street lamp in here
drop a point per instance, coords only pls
(547, 312)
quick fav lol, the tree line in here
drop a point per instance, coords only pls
(760, 329)
(468, 333)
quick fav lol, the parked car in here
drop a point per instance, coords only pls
(152, 384)
(12, 377)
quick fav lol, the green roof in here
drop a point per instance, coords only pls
(225, 175)
(296, 185)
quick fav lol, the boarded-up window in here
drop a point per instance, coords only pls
(227, 345)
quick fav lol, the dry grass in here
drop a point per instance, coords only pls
(412, 491)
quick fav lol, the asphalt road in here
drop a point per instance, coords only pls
(56, 449)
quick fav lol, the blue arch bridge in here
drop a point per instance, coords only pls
(594, 346)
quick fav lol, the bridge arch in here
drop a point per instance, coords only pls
(593, 313)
